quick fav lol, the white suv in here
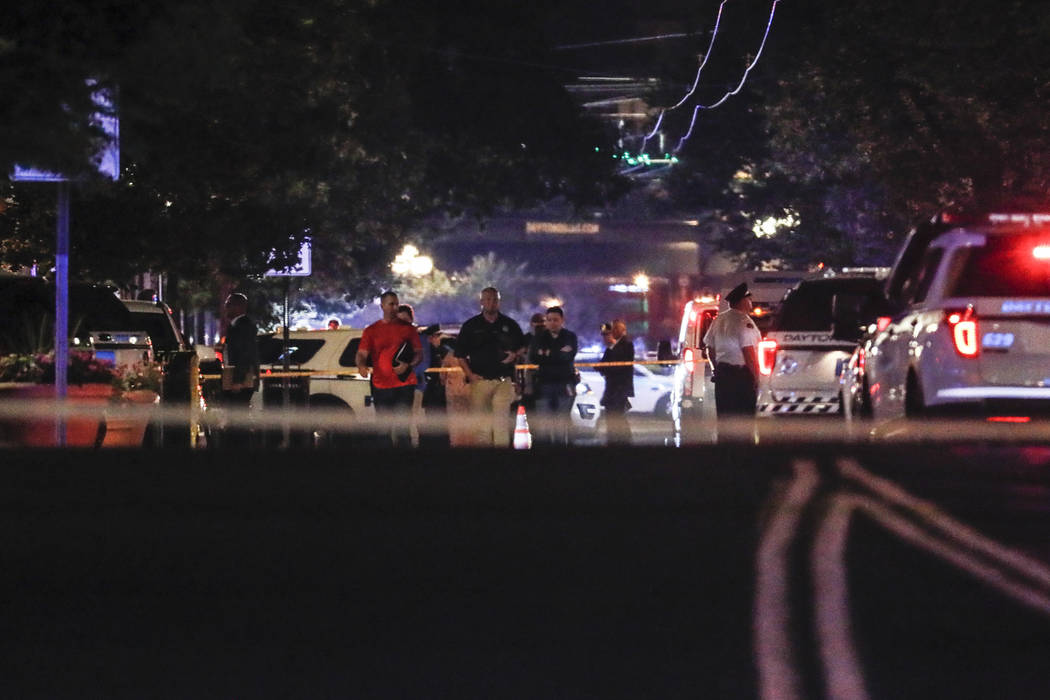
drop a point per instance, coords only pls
(969, 322)
(803, 353)
(329, 356)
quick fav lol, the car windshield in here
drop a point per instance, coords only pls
(808, 306)
(1005, 266)
(159, 328)
(271, 350)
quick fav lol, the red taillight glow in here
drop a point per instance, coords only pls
(856, 361)
(767, 353)
(963, 325)
(882, 323)
(1041, 252)
(689, 358)
(1009, 419)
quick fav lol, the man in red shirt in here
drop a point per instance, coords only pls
(393, 382)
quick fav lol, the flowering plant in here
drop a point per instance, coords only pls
(140, 376)
(39, 368)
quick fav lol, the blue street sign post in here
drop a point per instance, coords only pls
(107, 161)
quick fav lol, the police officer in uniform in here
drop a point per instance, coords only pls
(732, 343)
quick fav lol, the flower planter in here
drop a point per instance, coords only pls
(21, 430)
(128, 428)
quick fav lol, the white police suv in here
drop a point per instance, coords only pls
(804, 350)
(968, 327)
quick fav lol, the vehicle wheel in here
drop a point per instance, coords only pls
(914, 403)
(329, 436)
(663, 407)
(865, 410)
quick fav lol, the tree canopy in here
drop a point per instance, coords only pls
(247, 125)
(862, 118)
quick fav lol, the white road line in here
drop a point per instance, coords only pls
(928, 512)
(842, 672)
(964, 560)
(775, 657)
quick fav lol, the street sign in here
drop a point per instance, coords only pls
(302, 268)
(107, 160)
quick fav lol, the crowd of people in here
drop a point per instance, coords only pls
(418, 380)
(414, 374)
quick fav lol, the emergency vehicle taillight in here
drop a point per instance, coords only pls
(963, 326)
(767, 355)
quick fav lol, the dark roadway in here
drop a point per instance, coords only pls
(721, 572)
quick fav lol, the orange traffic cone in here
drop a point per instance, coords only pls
(522, 436)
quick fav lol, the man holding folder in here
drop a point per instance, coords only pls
(394, 348)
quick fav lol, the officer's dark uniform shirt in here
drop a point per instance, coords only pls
(485, 345)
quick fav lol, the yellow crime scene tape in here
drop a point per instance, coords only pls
(438, 370)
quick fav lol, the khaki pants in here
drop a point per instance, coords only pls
(490, 401)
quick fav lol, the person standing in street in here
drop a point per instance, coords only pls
(435, 398)
(528, 376)
(732, 343)
(240, 369)
(394, 348)
(406, 313)
(554, 351)
(619, 384)
(487, 349)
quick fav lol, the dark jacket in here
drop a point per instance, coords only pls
(619, 381)
(555, 357)
(242, 348)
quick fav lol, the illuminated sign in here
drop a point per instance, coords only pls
(1026, 219)
(561, 228)
(628, 288)
(1019, 306)
(107, 160)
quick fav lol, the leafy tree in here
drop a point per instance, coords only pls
(247, 125)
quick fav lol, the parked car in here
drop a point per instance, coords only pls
(967, 323)
(157, 319)
(803, 352)
(652, 391)
(27, 313)
(328, 357)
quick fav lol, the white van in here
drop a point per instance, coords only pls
(692, 376)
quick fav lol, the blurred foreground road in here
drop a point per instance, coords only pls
(722, 572)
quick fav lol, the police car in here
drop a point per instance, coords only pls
(804, 350)
(327, 361)
(968, 328)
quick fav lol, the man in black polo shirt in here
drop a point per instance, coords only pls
(487, 349)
